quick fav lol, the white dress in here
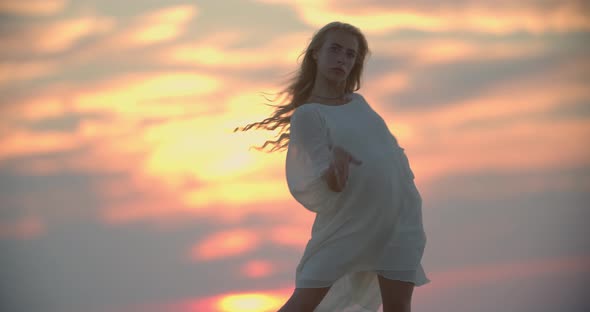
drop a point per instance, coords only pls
(373, 225)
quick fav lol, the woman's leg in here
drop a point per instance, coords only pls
(396, 295)
(305, 299)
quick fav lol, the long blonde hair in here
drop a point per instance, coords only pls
(300, 86)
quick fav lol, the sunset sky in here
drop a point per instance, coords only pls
(124, 188)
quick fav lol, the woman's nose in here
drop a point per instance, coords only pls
(340, 58)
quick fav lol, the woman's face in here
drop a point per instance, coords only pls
(338, 51)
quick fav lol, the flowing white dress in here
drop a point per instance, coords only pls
(374, 225)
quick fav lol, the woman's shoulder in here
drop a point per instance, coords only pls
(308, 110)
(305, 107)
(360, 96)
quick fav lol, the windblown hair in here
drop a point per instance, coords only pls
(300, 86)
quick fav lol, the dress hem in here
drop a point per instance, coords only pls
(419, 279)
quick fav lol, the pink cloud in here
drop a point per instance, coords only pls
(25, 228)
(32, 7)
(257, 269)
(228, 243)
(290, 234)
(225, 244)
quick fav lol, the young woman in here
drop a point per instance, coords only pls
(344, 165)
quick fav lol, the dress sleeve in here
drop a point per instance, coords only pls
(309, 155)
(406, 165)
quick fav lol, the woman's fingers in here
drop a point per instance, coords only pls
(343, 169)
(355, 161)
(337, 175)
(351, 158)
(341, 152)
(341, 174)
(342, 160)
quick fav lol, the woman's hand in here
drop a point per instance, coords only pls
(337, 175)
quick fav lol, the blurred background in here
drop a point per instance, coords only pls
(124, 188)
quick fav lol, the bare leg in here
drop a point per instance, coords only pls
(305, 299)
(396, 295)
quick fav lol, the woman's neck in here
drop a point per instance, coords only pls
(327, 89)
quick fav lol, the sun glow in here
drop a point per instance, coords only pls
(249, 303)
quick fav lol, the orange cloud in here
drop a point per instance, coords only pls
(159, 26)
(53, 37)
(161, 207)
(175, 149)
(136, 96)
(229, 243)
(61, 36)
(26, 143)
(172, 149)
(32, 7)
(225, 244)
(474, 17)
(257, 268)
(236, 193)
(420, 52)
(499, 128)
(158, 208)
(213, 52)
(33, 107)
(290, 235)
(23, 71)
(519, 96)
(521, 147)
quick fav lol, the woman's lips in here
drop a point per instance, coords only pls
(338, 70)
